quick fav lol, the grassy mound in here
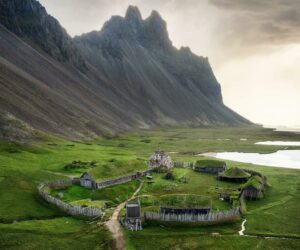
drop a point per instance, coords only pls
(235, 173)
(210, 163)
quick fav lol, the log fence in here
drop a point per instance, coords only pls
(219, 216)
(68, 208)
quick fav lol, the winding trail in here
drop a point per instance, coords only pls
(114, 225)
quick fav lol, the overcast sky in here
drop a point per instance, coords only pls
(252, 45)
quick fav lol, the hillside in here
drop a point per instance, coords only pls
(125, 76)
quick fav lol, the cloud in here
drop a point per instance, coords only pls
(253, 45)
(259, 22)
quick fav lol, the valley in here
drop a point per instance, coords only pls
(26, 220)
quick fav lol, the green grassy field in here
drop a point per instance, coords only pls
(27, 222)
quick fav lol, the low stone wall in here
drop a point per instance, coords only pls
(73, 210)
(192, 218)
(122, 180)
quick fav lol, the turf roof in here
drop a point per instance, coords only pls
(185, 201)
(255, 181)
(210, 163)
(235, 173)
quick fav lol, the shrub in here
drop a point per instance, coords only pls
(80, 164)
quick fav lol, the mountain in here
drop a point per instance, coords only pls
(127, 75)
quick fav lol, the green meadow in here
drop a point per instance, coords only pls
(27, 222)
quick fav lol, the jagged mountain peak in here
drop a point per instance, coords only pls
(150, 32)
(133, 14)
(126, 76)
(155, 16)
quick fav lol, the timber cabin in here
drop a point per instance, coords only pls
(133, 216)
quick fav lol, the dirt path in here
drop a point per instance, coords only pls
(114, 225)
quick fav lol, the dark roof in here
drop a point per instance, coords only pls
(86, 175)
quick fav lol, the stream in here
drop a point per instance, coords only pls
(241, 232)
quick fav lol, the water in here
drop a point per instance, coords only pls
(279, 143)
(281, 158)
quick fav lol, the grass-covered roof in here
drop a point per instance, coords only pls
(255, 181)
(185, 201)
(235, 173)
(210, 163)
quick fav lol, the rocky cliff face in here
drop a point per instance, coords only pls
(127, 75)
(29, 20)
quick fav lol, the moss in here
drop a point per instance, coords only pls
(255, 181)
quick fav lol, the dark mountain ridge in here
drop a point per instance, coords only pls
(125, 76)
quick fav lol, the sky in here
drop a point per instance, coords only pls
(253, 45)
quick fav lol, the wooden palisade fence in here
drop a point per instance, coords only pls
(219, 216)
(69, 209)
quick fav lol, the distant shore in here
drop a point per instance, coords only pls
(295, 129)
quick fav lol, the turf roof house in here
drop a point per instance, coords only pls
(254, 188)
(160, 160)
(234, 175)
(185, 204)
(210, 166)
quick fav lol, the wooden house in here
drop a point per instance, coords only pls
(133, 216)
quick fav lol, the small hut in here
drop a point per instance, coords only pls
(133, 216)
(160, 160)
(234, 175)
(86, 180)
(253, 188)
(210, 166)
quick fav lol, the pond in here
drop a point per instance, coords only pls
(279, 143)
(281, 158)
